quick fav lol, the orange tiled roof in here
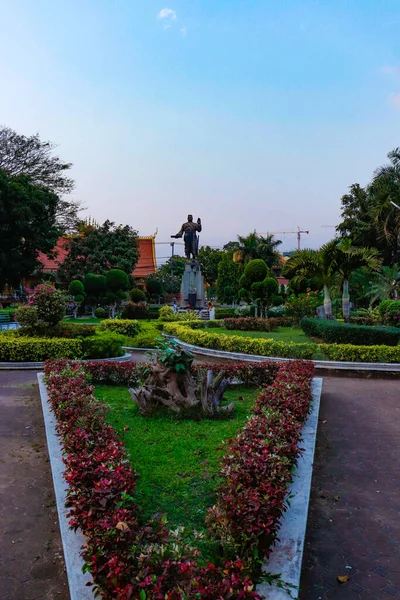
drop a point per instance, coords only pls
(146, 264)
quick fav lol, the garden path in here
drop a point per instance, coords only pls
(354, 517)
(31, 556)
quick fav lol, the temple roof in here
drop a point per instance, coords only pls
(145, 266)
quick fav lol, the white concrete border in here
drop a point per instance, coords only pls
(287, 554)
(72, 542)
(319, 364)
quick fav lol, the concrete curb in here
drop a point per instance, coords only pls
(35, 366)
(287, 554)
(319, 364)
(72, 542)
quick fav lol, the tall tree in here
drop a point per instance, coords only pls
(229, 274)
(28, 225)
(174, 266)
(34, 158)
(101, 249)
(358, 223)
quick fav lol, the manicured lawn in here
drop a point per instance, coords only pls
(88, 320)
(177, 459)
(282, 334)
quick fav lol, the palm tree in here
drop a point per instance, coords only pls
(386, 284)
(345, 260)
(254, 246)
(384, 190)
(309, 264)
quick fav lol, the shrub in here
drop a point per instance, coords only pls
(139, 310)
(121, 326)
(277, 311)
(61, 330)
(102, 345)
(100, 313)
(373, 354)
(137, 295)
(251, 324)
(167, 314)
(25, 349)
(255, 270)
(50, 303)
(390, 312)
(224, 313)
(27, 316)
(234, 343)
(303, 305)
(76, 288)
(344, 333)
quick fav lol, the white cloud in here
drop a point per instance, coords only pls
(395, 100)
(183, 31)
(167, 13)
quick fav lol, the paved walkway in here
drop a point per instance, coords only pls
(31, 557)
(354, 518)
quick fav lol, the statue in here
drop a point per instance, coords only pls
(188, 231)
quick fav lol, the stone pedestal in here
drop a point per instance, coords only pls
(192, 287)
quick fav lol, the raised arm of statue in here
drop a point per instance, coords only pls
(199, 225)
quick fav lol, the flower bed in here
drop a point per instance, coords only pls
(147, 562)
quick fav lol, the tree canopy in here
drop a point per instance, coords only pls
(101, 249)
(28, 225)
(35, 159)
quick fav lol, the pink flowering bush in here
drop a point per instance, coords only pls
(49, 302)
(390, 312)
(131, 560)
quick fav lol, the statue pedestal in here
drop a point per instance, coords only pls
(192, 287)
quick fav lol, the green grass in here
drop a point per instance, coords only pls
(178, 461)
(282, 334)
(88, 320)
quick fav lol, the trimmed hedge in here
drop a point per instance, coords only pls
(235, 343)
(348, 352)
(265, 347)
(121, 326)
(224, 313)
(103, 345)
(24, 349)
(258, 324)
(333, 332)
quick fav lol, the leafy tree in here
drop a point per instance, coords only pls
(95, 288)
(228, 278)
(209, 259)
(257, 286)
(31, 157)
(101, 249)
(137, 295)
(154, 285)
(28, 225)
(117, 284)
(263, 293)
(386, 284)
(77, 290)
(176, 265)
(357, 223)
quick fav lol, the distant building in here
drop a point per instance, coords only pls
(278, 269)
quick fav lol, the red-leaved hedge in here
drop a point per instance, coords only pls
(147, 562)
(257, 324)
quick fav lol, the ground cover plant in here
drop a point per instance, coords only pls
(147, 562)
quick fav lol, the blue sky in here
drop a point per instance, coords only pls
(252, 114)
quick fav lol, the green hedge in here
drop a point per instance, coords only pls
(235, 343)
(267, 347)
(23, 349)
(103, 345)
(225, 313)
(333, 332)
(121, 326)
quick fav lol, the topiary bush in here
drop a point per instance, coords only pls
(121, 326)
(333, 332)
(100, 313)
(49, 302)
(255, 270)
(137, 295)
(167, 314)
(27, 316)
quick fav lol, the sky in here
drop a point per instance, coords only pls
(251, 114)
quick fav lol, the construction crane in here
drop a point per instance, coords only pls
(298, 232)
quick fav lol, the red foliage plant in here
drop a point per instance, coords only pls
(129, 560)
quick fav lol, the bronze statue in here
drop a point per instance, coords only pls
(188, 231)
